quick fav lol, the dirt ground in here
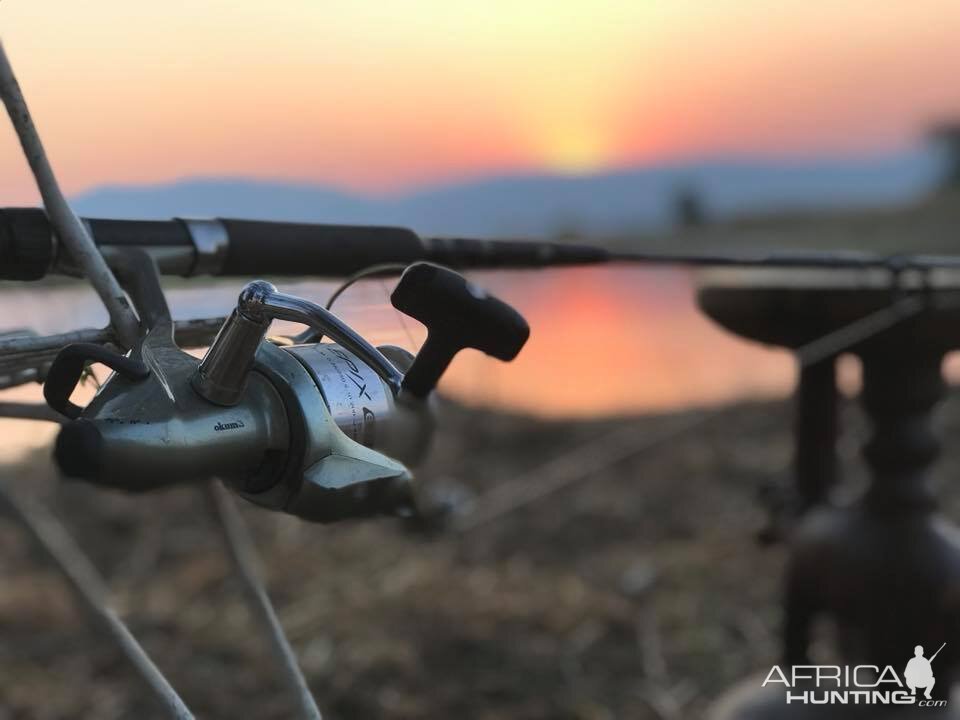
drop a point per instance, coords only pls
(638, 591)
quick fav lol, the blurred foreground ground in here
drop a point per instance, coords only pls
(639, 593)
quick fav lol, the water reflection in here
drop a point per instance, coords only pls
(617, 340)
(603, 341)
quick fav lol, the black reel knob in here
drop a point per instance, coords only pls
(457, 315)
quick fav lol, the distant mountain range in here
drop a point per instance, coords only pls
(609, 202)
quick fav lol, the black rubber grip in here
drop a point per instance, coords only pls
(339, 250)
(268, 248)
(26, 244)
(140, 233)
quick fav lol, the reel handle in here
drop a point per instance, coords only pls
(457, 315)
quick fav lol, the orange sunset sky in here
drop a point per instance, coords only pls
(383, 96)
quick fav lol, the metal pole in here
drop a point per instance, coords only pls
(90, 591)
(244, 562)
(68, 226)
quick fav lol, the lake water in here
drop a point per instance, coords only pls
(603, 341)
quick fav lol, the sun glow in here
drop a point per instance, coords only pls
(573, 147)
(383, 96)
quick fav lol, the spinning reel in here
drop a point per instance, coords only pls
(322, 430)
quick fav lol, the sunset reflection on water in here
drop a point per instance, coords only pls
(617, 341)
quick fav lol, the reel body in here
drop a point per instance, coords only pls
(322, 430)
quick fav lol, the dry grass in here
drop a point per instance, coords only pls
(639, 594)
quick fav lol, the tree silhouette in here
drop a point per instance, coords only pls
(947, 137)
(688, 207)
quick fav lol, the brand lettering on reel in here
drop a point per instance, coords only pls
(355, 377)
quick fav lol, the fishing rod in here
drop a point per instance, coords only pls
(30, 249)
(812, 259)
